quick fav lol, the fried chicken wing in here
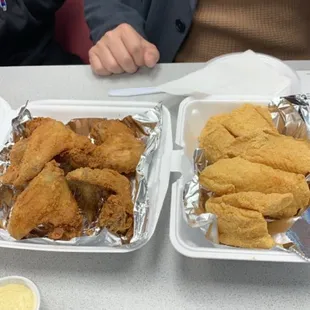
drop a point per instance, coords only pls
(270, 205)
(120, 152)
(117, 210)
(47, 200)
(228, 176)
(215, 138)
(240, 227)
(104, 128)
(45, 142)
(274, 150)
(248, 118)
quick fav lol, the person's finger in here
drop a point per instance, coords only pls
(107, 59)
(133, 43)
(151, 54)
(96, 65)
(121, 55)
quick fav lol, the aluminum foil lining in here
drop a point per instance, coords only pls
(291, 116)
(147, 127)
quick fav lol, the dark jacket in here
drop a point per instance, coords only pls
(165, 23)
(26, 31)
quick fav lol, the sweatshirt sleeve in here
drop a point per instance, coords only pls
(105, 15)
(40, 10)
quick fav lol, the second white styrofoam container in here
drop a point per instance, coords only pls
(159, 172)
(193, 114)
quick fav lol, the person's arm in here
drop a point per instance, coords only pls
(105, 15)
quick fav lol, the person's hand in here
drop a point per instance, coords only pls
(122, 50)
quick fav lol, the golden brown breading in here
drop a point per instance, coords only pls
(241, 228)
(115, 217)
(33, 124)
(228, 176)
(47, 200)
(117, 210)
(274, 150)
(120, 152)
(45, 142)
(215, 138)
(248, 118)
(88, 197)
(271, 205)
(104, 128)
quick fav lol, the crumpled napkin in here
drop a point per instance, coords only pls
(245, 74)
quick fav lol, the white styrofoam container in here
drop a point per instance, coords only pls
(64, 110)
(193, 114)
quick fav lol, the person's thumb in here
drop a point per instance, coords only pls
(151, 54)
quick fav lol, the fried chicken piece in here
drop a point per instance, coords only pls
(79, 155)
(117, 210)
(234, 175)
(46, 141)
(89, 198)
(47, 200)
(18, 151)
(115, 217)
(215, 138)
(104, 128)
(248, 118)
(121, 152)
(270, 205)
(118, 148)
(36, 122)
(241, 228)
(274, 150)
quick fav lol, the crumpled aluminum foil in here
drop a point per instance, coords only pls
(291, 116)
(147, 126)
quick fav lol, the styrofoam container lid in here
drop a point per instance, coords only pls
(28, 283)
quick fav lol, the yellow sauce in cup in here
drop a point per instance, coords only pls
(16, 297)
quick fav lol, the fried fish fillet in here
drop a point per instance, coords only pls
(47, 200)
(31, 154)
(274, 150)
(215, 138)
(117, 210)
(248, 118)
(270, 205)
(234, 175)
(240, 227)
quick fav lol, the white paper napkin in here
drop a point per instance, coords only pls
(238, 74)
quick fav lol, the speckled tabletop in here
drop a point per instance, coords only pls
(155, 277)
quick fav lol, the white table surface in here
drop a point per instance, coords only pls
(155, 277)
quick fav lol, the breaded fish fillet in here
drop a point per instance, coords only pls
(215, 138)
(248, 118)
(274, 150)
(270, 205)
(241, 228)
(234, 175)
(47, 200)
